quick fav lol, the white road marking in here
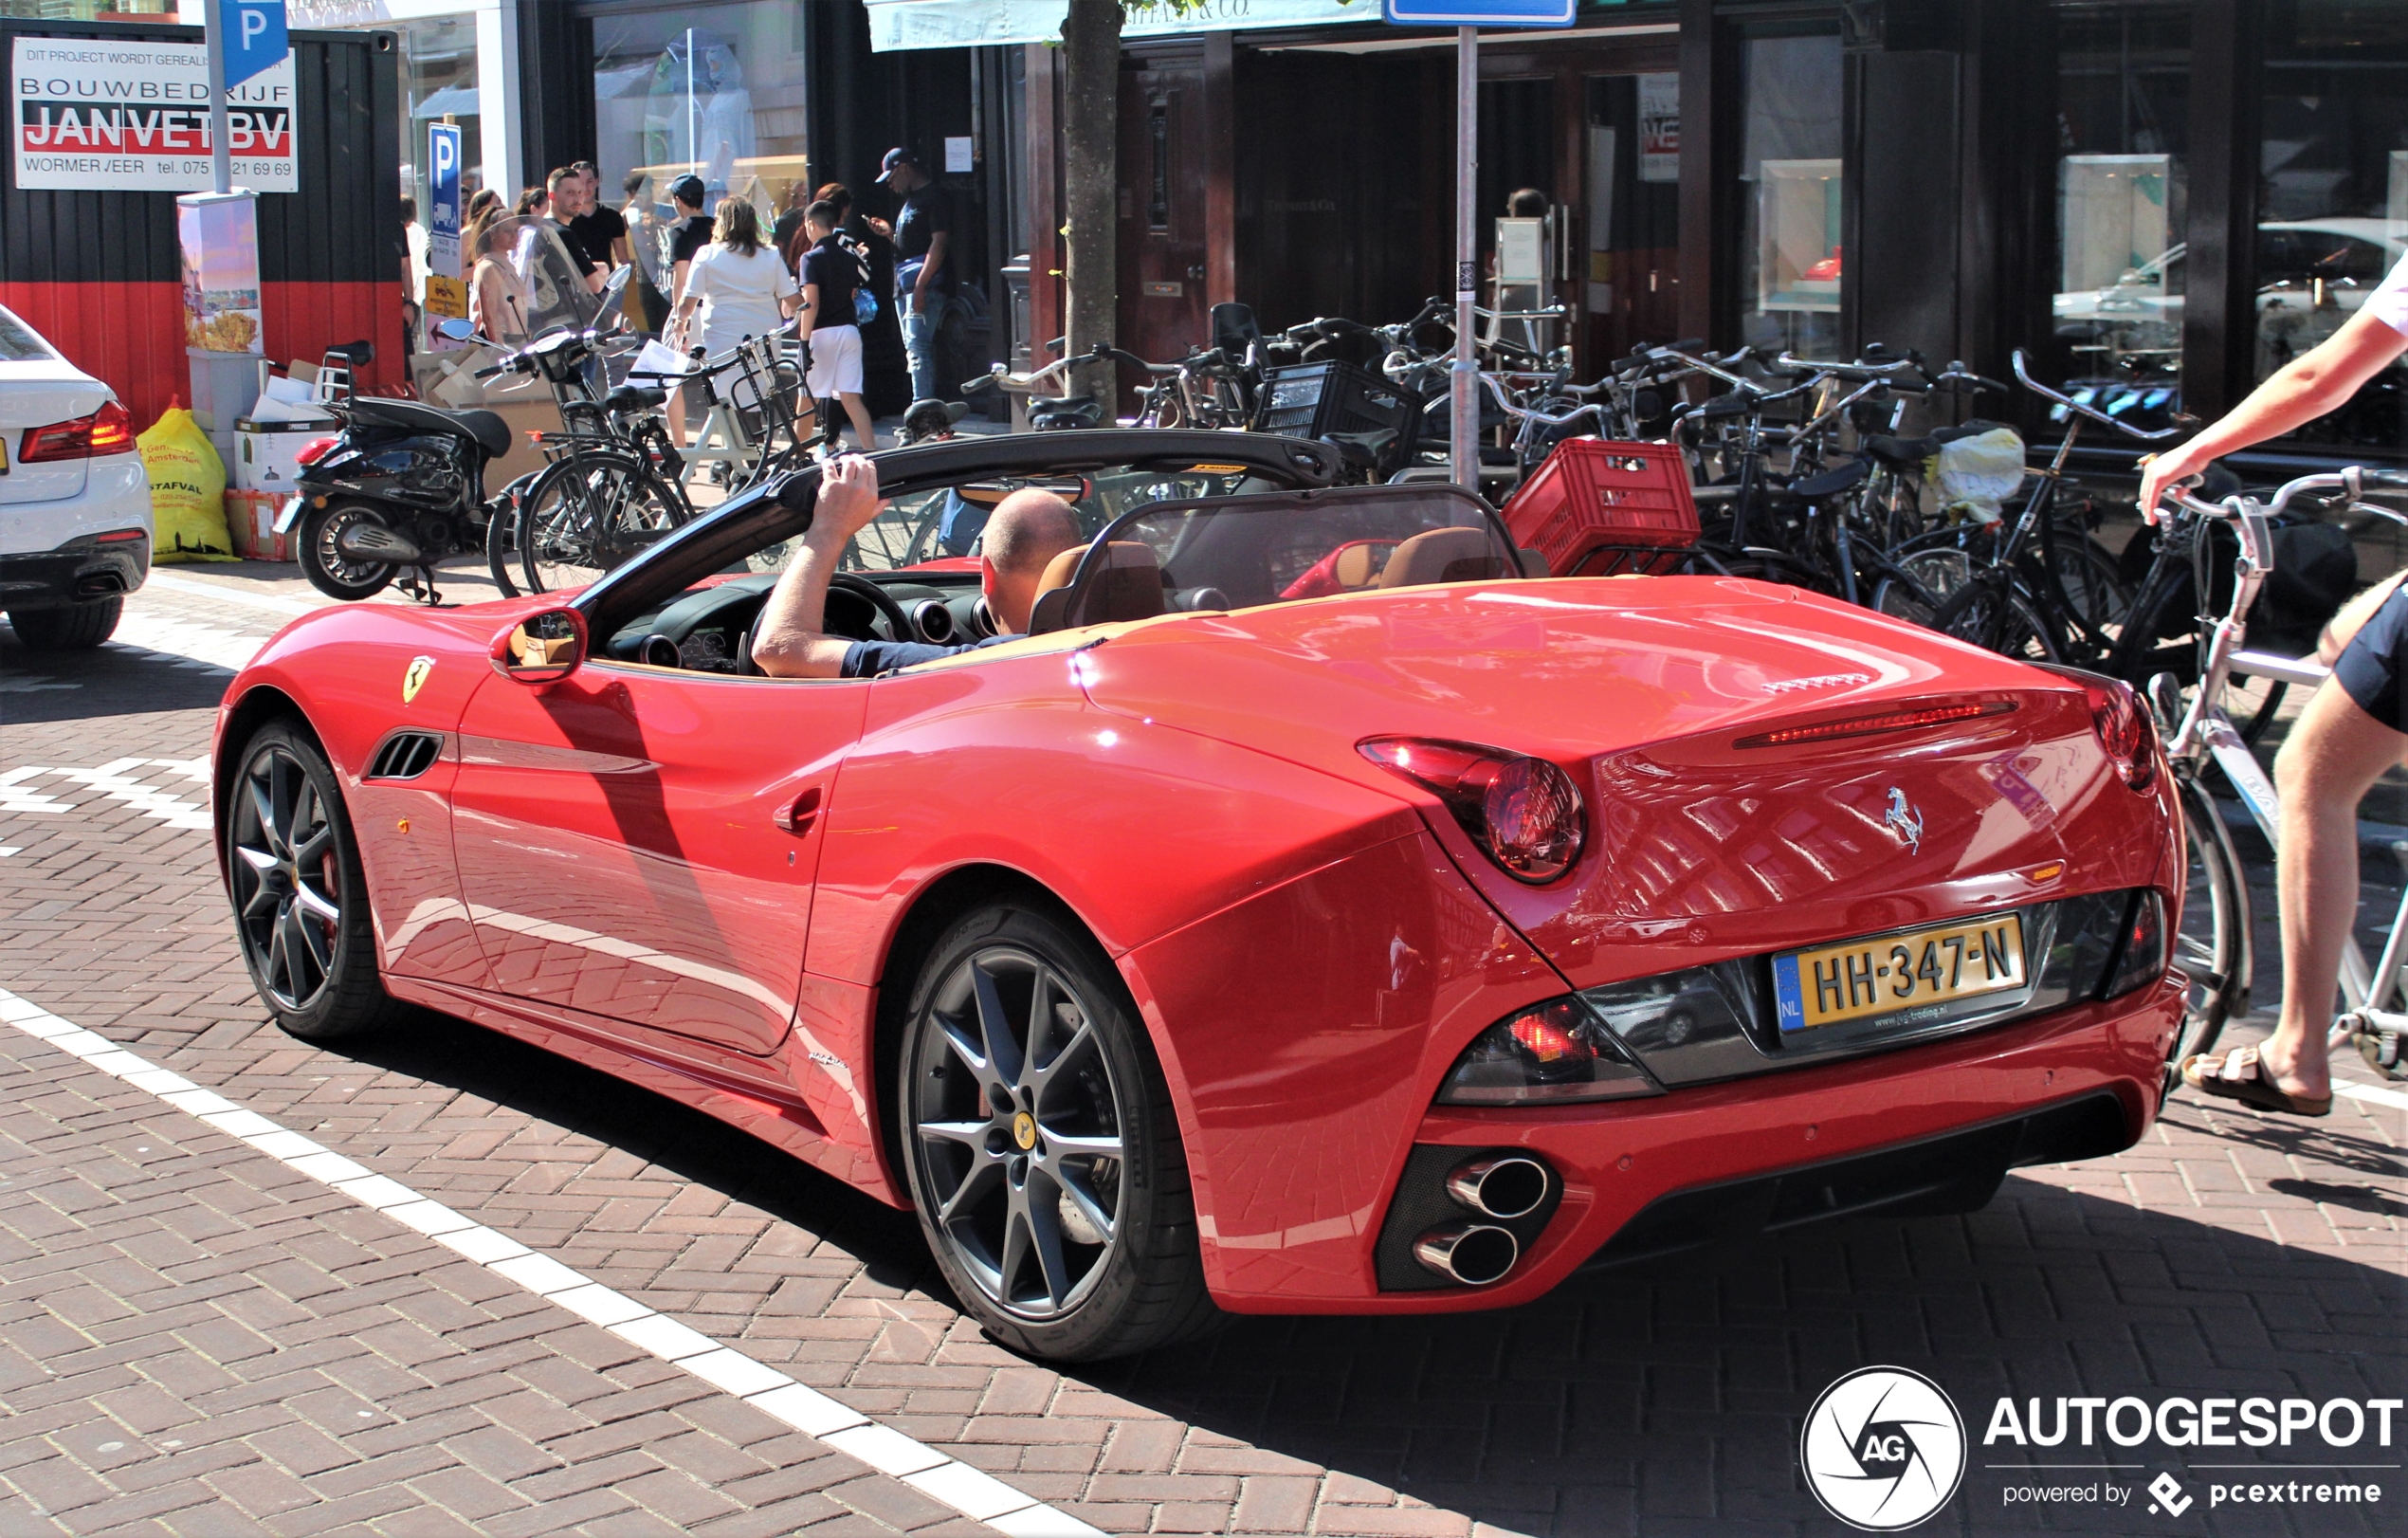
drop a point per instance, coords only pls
(207, 646)
(14, 798)
(114, 782)
(2373, 1094)
(972, 1491)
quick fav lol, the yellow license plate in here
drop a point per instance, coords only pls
(1898, 974)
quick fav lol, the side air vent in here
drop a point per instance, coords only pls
(406, 755)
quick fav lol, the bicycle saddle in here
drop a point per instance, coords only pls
(1362, 449)
(1901, 451)
(491, 432)
(1734, 404)
(629, 397)
(1838, 478)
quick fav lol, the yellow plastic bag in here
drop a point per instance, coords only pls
(188, 490)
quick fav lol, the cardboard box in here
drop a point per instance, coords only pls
(251, 518)
(266, 454)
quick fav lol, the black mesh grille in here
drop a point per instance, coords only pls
(406, 755)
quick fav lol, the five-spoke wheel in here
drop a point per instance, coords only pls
(1044, 1156)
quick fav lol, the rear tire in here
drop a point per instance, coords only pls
(2211, 947)
(75, 627)
(1042, 1145)
(299, 894)
(327, 570)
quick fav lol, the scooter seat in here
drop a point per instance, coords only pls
(629, 397)
(491, 432)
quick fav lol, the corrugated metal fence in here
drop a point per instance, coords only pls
(99, 272)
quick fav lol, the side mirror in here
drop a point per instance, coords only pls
(455, 330)
(541, 649)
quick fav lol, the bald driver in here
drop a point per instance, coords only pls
(1028, 529)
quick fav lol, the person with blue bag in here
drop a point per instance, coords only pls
(836, 305)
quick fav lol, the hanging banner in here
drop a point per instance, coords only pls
(134, 117)
(1660, 127)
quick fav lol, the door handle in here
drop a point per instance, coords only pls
(797, 816)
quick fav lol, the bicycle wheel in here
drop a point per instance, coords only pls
(2000, 619)
(1943, 573)
(588, 515)
(2211, 948)
(2094, 594)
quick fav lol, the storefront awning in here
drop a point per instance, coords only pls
(896, 24)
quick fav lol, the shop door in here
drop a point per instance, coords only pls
(1161, 233)
(1629, 225)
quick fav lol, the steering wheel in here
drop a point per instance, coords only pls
(899, 625)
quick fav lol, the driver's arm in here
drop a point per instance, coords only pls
(788, 642)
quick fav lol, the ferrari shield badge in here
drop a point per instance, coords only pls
(415, 679)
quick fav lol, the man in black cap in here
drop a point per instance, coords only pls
(924, 280)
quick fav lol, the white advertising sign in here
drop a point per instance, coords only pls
(1660, 127)
(134, 117)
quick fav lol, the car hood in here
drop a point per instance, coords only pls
(1640, 688)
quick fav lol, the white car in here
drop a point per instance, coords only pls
(75, 501)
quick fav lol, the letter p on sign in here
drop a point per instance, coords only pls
(252, 34)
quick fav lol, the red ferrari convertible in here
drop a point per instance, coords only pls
(1315, 915)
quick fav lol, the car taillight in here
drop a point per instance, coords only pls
(314, 450)
(108, 431)
(2126, 731)
(1545, 1054)
(1524, 813)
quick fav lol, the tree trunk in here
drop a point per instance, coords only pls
(1091, 176)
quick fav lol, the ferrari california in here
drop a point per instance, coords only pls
(1313, 914)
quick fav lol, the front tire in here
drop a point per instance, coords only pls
(1042, 1148)
(299, 895)
(75, 627)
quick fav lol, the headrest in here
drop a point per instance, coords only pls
(1125, 584)
(1443, 556)
(1357, 566)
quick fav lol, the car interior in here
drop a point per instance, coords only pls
(1156, 547)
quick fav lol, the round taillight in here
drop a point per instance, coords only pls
(1524, 813)
(1533, 816)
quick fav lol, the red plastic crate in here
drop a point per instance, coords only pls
(1597, 508)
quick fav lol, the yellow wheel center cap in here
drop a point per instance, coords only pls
(1024, 1131)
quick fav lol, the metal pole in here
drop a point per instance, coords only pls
(221, 170)
(1463, 380)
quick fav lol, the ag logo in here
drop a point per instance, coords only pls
(415, 679)
(1883, 1448)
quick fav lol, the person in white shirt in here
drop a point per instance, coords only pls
(2354, 728)
(736, 288)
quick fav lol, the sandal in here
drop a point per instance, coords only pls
(2238, 1076)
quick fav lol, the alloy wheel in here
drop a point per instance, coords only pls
(288, 878)
(1017, 1126)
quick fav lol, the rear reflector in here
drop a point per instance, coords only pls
(118, 537)
(1894, 721)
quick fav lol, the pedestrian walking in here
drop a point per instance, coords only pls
(833, 273)
(600, 229)
(566, 189)
(497, 295)
(923, 274)
(532, 202)
(689, 231)
(486, 197)
(734, 287)
(647, 291)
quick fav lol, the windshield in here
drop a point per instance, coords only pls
(1242, 552)
(946, 524)
(19, 345)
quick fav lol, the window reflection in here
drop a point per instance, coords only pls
(2333, 198)
(1791, 192)
(2123, 119)
(723, 100)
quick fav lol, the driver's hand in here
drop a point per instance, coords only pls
(847, 497)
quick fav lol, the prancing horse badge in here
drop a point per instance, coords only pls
(415, 679)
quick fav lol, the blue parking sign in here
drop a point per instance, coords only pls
(253, 34)
(1478, 12)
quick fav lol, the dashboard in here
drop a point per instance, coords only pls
(710, 629)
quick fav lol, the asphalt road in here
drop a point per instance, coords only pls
(201, 1335)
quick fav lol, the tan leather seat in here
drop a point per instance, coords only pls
(1443, 556)
(1357, 566)
(1127, 586)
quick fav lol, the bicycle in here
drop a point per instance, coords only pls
(2214, 946)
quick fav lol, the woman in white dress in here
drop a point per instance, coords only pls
(735, 287)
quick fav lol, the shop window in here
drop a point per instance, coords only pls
(1791, 192)
(2122, 124)
(439, 83)
(1631, 221)
(2333, 194)
(722, 102)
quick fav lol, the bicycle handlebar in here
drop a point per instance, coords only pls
(2351, 480)
(2023, 374)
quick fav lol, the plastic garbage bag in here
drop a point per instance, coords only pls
(1975, 475)
(188, 490)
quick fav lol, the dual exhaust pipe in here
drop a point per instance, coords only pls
(1502, 1186)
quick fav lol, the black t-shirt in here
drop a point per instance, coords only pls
(927, 212)
(832, 264)
(593, 233)
(868, 659)
(691, 236)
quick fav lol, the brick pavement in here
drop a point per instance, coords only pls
(2230, 1252)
